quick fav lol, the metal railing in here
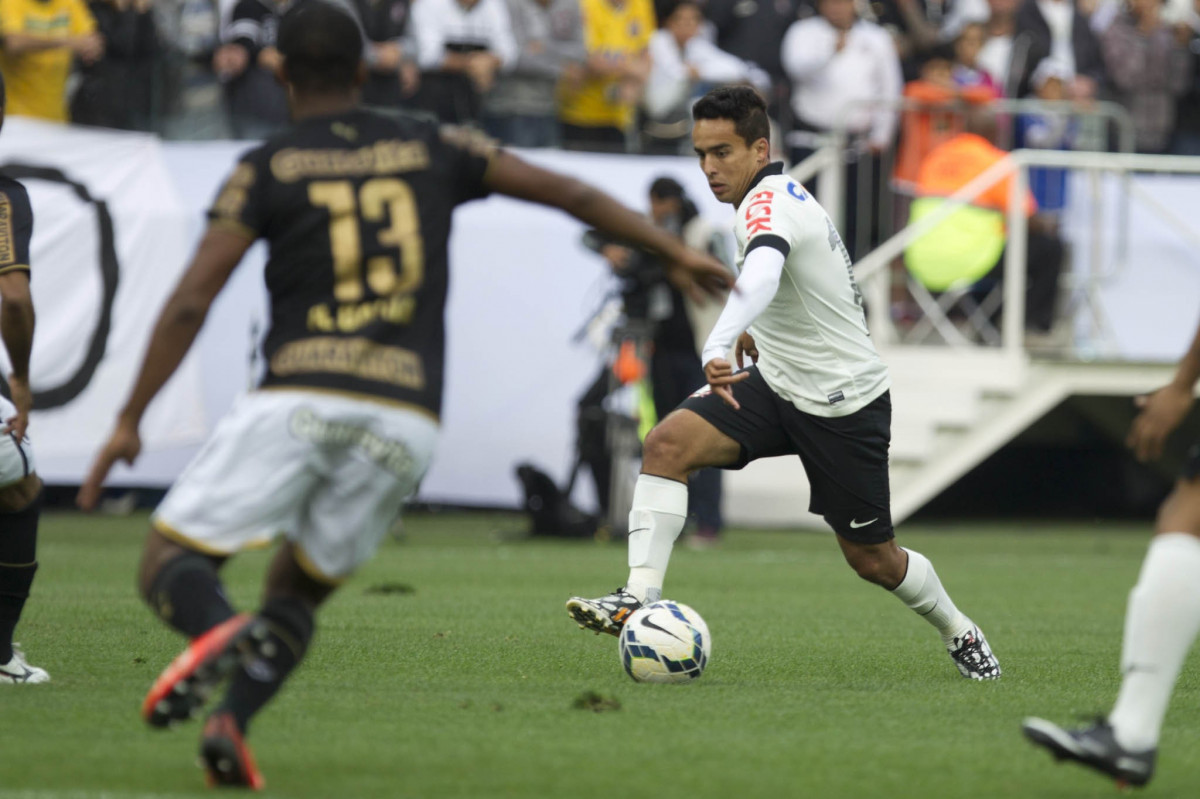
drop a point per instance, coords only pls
(874, 270)
(835, 144)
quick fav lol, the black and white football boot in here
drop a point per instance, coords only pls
(17, 670)
(1094, 747)
(974, 658)
(606, 614)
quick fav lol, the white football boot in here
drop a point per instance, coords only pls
(16, 671)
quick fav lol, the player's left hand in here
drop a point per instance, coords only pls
(22, 398)
(720, 375)
(1161, 413)
(699, 275)
(125, 444)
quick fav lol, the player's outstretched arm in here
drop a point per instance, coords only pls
(16, 329)
(1163, 410)
(693, 272)
(181, 318)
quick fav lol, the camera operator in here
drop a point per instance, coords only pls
(676, 328)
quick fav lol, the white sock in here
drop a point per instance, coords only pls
(922, 592)
(1161, 622)
(655, 521)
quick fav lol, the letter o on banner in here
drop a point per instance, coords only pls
(110, 270)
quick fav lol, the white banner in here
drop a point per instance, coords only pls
(521, 286)
(110, 235)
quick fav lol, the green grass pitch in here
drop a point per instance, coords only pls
(449, 668)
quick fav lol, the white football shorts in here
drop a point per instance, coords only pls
(328, 472)
(16, 457)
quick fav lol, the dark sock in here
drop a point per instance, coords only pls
(289, 628)
(187, 595)
(18, 563)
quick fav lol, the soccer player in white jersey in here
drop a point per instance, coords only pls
(1162, 619)
(817, 389)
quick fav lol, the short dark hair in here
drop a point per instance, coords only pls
(741, 104)
(665, 188)
(322, 45)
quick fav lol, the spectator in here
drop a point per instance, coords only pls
(390, 53)
(844, 71)
(1049, 131)
(118, 90)
(938, 117)
(753, 30)
(1187, 126)
(1150, 67)
(598, 113)
(996, 53)
(966, 70)
(246, 62)
(189, 92)
(1055, 28)
(684, 65)
(41, 38)
(521, 110)
(462, 47)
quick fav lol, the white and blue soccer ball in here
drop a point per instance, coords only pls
(665, 642)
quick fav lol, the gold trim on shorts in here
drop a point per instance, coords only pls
(312, 570)
(169, 532)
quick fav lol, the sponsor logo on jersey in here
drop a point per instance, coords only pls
(836, 397)
(758, 213)
(797, 191)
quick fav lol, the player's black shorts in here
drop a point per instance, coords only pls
(846, 457)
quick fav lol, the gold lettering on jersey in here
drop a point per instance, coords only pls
(232, 199)
(8, 252)
(380, 158)
(356, 357)
(352, 317)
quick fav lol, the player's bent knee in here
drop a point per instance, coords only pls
(880, 564)
(665, 451)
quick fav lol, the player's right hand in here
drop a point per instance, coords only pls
(721, 377)
(123, 445)
(22, 399)
(1161, 413)
(745, 346)
(699, 275)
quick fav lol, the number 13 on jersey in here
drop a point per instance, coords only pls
(379, 200)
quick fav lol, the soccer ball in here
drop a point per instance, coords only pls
(665, 642)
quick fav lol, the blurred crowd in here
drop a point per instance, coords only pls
(617, 75)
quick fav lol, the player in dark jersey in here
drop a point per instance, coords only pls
(356, 209)
(20, 487)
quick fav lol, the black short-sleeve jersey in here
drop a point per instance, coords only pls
(356, 210)
(16, 226)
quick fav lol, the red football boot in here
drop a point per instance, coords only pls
(227, 760)
(185, 685)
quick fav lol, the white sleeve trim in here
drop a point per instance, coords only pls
(756, 287)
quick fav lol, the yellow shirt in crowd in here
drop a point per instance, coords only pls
(37, 81)
(609, 29)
